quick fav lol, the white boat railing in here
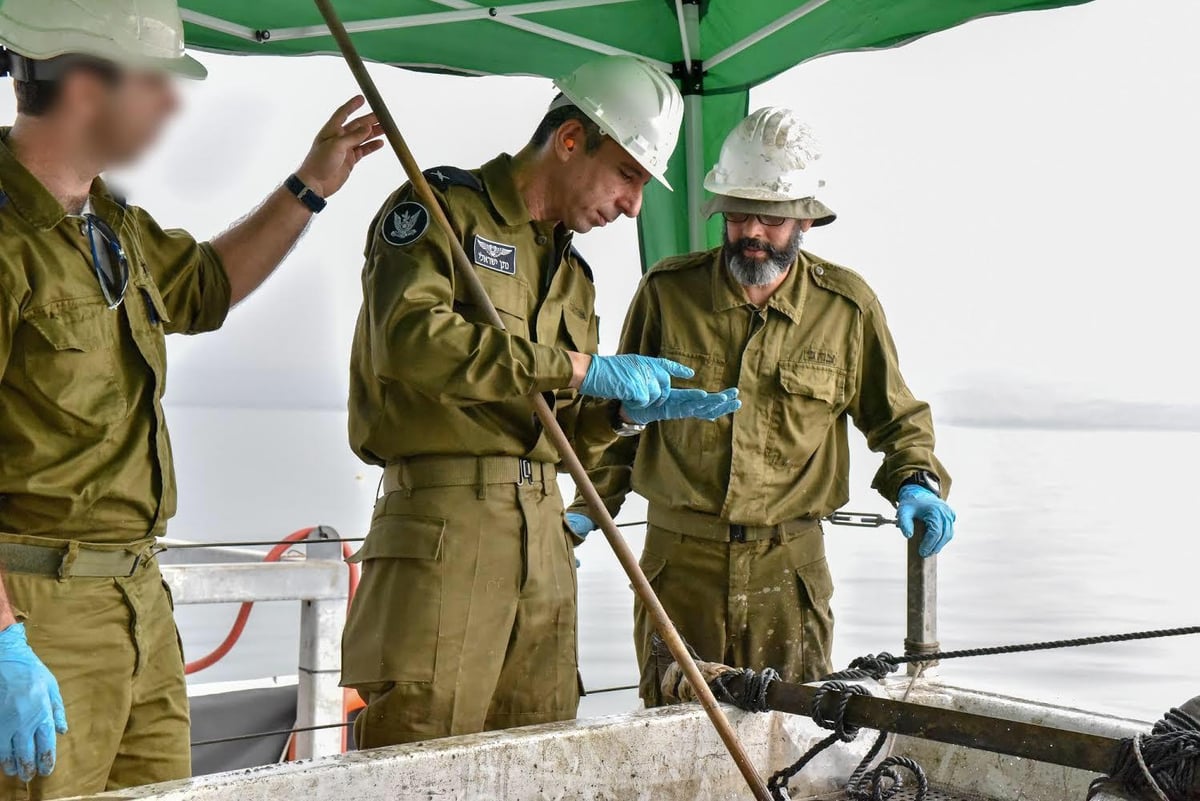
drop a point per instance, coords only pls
(312, 573)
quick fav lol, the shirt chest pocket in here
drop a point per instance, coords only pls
(72, 362)
(583, 330)
(509, 294)
(811, 398)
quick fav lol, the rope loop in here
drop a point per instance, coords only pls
(846, 732)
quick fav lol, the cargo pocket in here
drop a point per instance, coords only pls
(816, 590)
(392, 631)
(72, 363)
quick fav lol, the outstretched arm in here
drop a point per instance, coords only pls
(254, 246)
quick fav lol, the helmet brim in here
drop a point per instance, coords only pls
(807, 208)
(186, 67)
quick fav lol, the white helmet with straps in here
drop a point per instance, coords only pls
(633, 102)
(139, 34)
(767, 165)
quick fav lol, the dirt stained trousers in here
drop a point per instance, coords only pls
(464, 620)
(112, 644)
(744, 596)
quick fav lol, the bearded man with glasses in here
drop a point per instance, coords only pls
(91, 674)
(734, 546)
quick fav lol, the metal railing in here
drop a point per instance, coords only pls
(313, 574)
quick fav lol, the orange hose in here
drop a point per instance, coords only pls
(243, 615)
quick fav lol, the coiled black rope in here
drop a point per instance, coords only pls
(753, 695)
(1164, 763)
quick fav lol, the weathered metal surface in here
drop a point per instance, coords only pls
(282, 581)
(662, 755)
(1058, 746)
(922, 636)
(655, 755)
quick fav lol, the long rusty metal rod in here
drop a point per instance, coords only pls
(466, 273)
(1073, 749)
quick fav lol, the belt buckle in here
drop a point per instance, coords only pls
(737, 533)
(524, 471)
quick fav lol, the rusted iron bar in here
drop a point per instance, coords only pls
(1073, 749)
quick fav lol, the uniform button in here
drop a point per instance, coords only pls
(819, 270)
(541, 240)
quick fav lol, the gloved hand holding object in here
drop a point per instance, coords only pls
(634, 379)
(31, 708)
(920, 503)
(580, 525)
(681, 403)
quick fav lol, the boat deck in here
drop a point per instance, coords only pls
(908, 792)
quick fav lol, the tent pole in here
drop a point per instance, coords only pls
(693, 115)
(693, 131)
(466, 274)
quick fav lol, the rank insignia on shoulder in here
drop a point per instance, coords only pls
(496, 255)
(405, 224)
(445, 177)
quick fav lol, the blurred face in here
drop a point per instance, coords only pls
(595, 188)
(761, 249)
(123, 118)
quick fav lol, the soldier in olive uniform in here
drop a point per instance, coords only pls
(734, 546)
(465, 617)
(89, 287)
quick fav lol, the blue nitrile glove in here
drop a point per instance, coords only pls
(580, 525)
(917, 502)
(639, 380)
(31, 708)
(681, 403)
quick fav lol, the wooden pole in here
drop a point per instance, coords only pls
(466, 274)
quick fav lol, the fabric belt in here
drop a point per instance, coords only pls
(710, 527)
(70, 558)
(423, 472)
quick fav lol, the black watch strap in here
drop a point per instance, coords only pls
(926, 479)
(312, 201)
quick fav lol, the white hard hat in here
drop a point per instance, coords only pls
(140, 34)
(768, 156)
(633, 102)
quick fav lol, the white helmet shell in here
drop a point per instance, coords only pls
(139, 34)
(633, 102)
(768, 156)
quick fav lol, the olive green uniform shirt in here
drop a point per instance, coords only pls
(428, 375)
(84, 450)
(818, 354)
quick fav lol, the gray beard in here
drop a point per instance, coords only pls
(751, 272)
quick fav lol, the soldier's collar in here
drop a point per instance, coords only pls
(34, 201)
(502, 189)
(788, 300)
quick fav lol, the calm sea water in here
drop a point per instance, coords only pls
(1060, 534)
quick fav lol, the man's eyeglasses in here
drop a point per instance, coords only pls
(108, 260)
(769, 220)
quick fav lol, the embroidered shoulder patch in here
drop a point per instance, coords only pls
(405, 224)
(496, 255)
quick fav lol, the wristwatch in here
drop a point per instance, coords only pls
(926, 479)
(623, 428)
(311, 200)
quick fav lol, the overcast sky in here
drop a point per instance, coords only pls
(1020, 192)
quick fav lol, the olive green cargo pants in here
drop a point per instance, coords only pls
(759, 603)
(464, 620)
(113, 646)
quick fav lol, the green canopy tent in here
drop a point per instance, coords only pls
(717, 49)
